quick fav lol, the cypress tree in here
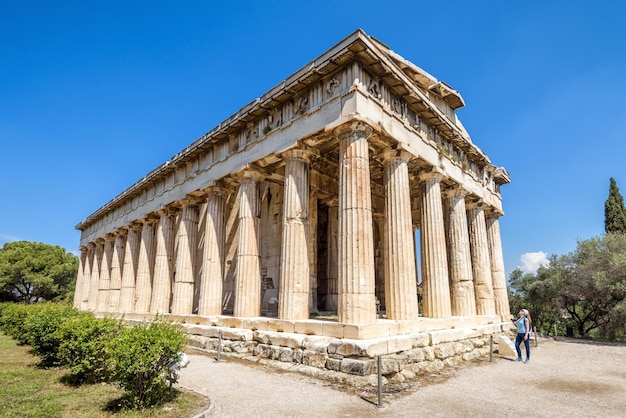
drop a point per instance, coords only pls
(614, 211)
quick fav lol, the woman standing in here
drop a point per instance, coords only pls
(523, 334)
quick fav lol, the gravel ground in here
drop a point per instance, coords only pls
(565, 378)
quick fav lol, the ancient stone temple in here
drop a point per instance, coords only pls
(293, 223)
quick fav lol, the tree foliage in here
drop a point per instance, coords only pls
(34, 271)
(586, 289)
(614, 210)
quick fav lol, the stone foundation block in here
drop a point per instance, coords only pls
(388, 366)
(238, 334)
(280, 325)
(315, 343)
(255, 324)
(420, 340)
(262, 337)
(446, 336)
(444, 351)
(262, 350)
(285, 339)
(309, 327)
(314, 359)
(230, 322)
(333, 364)
(429, 353)
(332, 329)
(358, 367)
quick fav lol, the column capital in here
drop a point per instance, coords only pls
(493, 212)
(110, 236)
(454, 191)
(354, 127)
(149, 219)
(189, 201)
(297, 154)
(251, 174)
(168, 210)
(434, 174)
(474, 204)
(394, 153)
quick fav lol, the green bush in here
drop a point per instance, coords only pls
(140, 356)
(40, 327)
(84, 347)
(13, 320)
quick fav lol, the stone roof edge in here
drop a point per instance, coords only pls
(338, 49)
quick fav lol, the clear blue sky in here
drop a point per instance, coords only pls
(93, 95)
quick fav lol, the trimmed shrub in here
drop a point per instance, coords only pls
(84, 347)
(13, 320)
(40, 327)
(140, 356)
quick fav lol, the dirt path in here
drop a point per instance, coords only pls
(566, 378)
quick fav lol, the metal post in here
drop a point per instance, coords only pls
(535, 332)
(219, 345)
(380, 383)
(490, 348)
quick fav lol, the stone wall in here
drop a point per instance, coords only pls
(348, 361)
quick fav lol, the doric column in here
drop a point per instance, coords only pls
(94, 282)
(145, 267)
(399, 250)
(332, 266)
(117, 263)
(86, 286)
(248, 275)
(182, 300)
(129, 272)
(312, 241)
(435, 284)
(293, 301)
(459, 258)
(481, 266)
(80, 278)
(356, 276)
(212, 278)
(498, 276)
(163, 266)
(105, 274)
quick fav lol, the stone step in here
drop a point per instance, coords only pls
(506, 346)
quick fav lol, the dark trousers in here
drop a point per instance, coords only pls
(518, 341)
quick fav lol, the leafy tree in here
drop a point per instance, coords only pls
(587, 286)
(614, 211)
(33, 271)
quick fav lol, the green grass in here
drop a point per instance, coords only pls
(28, 391)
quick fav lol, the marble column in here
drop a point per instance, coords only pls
(398, 250)
(332, 266)
(94, 282)
(498, 276)
(129, 272)
(184, 278)
(163, 262)
(312, 241)
(89, 263)
(435, 281)
(459, 258)
(105, 273)
(212, 276)
(481, 265)
(356, 276)
(248, 274)
(80, 278)
(293, 300)
(113, 300)
(145, 266)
